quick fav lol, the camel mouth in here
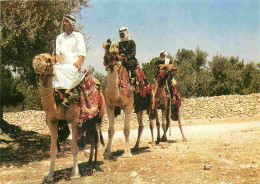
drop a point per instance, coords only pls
(113, 52)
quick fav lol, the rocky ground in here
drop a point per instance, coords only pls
(217, 151)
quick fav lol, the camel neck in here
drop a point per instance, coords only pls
(112, 83)
(47, 97)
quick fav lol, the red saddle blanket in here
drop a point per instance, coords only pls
(143, 90)
(90, 99)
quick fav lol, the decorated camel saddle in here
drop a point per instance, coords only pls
(169, 85)
(142, 89)
(89, 94)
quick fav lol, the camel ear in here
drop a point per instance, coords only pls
(104, 45)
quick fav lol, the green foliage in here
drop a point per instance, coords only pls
(250, 79)
(222, 76)
(101, 77)
(9, 93)
(29, 28)
(32, 99)
(149, 69)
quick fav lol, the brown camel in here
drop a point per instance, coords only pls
(115, 99)
(42, 65)
(162, 101)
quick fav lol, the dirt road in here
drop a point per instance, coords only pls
(216, 153)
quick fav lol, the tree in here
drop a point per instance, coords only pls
(250, 79)
(30, 27)
(101, 77)
(149, 69)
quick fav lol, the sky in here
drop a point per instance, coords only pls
(223, 27)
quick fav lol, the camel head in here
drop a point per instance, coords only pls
(42, 64)
(163, 72)
(111, 52)
(167, 68)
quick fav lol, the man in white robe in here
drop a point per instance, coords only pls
(70, 66)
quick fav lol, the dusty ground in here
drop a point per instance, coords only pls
(226, 152)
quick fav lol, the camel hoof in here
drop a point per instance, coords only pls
(107, 155)
(184, 140)
(76, 176)
(127, 155)
(153, 146)
(164, 139)
(48, 178)
(136, 147)
(60, 154)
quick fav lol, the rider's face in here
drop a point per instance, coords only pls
(163, 55)
(122, 35)
(66, 25)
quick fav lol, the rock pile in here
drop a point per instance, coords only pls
(192, 110)
(221, 107)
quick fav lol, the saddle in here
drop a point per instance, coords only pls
(89, 98)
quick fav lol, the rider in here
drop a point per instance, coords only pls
(127, 51)
(163, 60)
(70, 59)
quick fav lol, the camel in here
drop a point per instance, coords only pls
(115, 99)
(43, 65)
(162, 101)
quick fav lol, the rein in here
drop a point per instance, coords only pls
(47, 88)
(48, 94)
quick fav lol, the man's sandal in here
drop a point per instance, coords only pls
(73, 96)
(65, 102)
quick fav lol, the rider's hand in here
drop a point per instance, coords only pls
(78, 65)
(54, 58)
(120, 58)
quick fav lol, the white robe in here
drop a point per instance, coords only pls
(69, 47)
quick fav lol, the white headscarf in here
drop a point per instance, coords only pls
(71, 19)
(161, 58)
(126, 33)
(166, 60)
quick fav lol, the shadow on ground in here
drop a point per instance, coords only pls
(19, 147)
(65, 174)
(117, 154)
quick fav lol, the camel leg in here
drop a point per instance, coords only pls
(140, 129)
(53, 127)
(98, 128)
(168, 116)
(74, 150)
(164, 138)
(128, 114)
(151, 128)
(180, 126)
(111, 131)
(92, 142)
(158, 127)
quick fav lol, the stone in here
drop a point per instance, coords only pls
(227, 143)
(207, 166)
(134, 174)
